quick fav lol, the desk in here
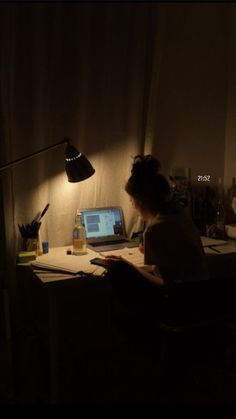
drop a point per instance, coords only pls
(222, 265)
(63, 308)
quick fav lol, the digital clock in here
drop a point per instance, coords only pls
(204, 178)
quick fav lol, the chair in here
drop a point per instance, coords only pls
(193, 323)
(6, 379)
(5, 310)
(196, 303)
(176, 325)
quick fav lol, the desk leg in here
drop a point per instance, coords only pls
(53, 348)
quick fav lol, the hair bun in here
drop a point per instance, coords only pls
(145, 165)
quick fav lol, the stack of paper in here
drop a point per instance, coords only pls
(226, 248)
(214, 246)
(208, 241)
(64, 262)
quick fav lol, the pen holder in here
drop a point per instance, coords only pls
(30, 235)
(29, 244)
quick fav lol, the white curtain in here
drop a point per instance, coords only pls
(84, 71)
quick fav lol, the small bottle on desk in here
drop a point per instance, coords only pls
(233, 198)
(220, 212)
(39, 250)
(79, 236)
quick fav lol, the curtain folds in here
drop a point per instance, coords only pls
(84, 71)
(8, 236)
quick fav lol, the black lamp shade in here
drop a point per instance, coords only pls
(77, 166)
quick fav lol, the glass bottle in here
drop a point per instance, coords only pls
(230, 204)
(233, 196)
(39, 250)
(190, 194)
(79, 236)
(205, 212)
(220, 212)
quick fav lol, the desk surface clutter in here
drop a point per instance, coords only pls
(58, 265)
(58, 259)
(212, 246)
(50, 267)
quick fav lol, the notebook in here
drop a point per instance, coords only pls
(105, 228)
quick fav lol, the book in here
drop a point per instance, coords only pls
(66, 263)
(25, 256)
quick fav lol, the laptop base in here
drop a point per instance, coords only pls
(114, 246)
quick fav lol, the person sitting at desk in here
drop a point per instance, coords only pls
(171, 243)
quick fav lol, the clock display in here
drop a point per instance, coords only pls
(204, 178)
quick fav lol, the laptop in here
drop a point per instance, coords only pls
(105, 229)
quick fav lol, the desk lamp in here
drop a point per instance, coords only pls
(77, 166)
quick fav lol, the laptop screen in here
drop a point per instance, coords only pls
(103, 222)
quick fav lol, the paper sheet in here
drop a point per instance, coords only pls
(63, 262)
(132, 255)
(207, 241)
(226, 248)
(210, 251)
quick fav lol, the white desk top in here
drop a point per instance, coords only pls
(58, 260)
(213, 246)
(49, 267)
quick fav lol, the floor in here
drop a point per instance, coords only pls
(193, 371)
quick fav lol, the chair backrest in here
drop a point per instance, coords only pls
(197, 301)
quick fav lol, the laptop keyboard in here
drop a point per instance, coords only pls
(105, 243)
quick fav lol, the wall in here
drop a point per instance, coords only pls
(106, 75)
(192, 94)
(78, 71)
(230, 133)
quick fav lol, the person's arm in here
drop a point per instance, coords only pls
(150, 272)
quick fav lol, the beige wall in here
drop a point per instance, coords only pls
(230, 134)
(192, 94)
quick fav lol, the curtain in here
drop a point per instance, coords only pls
(84, 71)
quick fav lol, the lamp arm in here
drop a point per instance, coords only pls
(12, 163)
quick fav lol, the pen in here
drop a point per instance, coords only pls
(44, 211)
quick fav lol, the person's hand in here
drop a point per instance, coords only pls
(113, 257)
